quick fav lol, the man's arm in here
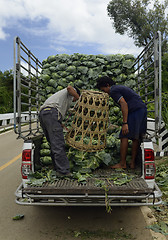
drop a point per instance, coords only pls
(72, 92)
(124, 109)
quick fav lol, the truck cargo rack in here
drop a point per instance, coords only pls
(27, 71)
(149, 81)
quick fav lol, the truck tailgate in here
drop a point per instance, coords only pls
(99, 190)
(67, 186)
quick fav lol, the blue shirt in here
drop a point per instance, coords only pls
(133, 100)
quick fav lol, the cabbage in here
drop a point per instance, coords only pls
(118, 57)
(76, 64)
(46, 71)
(63, 74)
(129, 56)
(79, 83)
(52, 69)
(50, 89)
(62, 82)
(52, 83)
(59, 88)
(70, 78)
(117, 71)
(53, 64)
(89, 64)
(45, 145)
(128, 63)
(46, 160)
(49, 95)
(99, 61)
(71, 69)
(45, 152)
(61, 67)
(131, 83)
(51, 58)
(44, 62)
(46, 65)
(82, 69)
(55, 76)
(115, 64)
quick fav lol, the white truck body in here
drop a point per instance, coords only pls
(139, 192)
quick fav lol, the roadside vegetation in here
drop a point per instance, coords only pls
(6, 91)
(161, 212)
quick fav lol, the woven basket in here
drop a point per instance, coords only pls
(89, 126)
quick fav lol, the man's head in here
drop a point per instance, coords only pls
(104, 84)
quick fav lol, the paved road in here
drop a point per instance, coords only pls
(51, 223)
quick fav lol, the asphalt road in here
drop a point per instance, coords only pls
(51, 223)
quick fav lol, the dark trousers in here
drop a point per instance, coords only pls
(53, 131)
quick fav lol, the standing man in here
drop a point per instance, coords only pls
(134, 113)
(52, 112)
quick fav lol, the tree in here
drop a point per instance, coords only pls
(139, 19)
(6, 91)
(165, 72)
(6, 79)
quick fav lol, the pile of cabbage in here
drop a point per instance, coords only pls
(82, 70)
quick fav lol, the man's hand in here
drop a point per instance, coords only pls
(125, 129)
(65, 128)
(124, 109)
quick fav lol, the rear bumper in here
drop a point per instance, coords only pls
(147, 199)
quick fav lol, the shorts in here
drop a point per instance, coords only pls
(137, 124)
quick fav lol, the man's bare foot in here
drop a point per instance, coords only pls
(118, 165)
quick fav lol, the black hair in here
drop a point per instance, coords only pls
(77, 90)
(104, 81)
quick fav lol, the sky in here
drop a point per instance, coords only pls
(50, 27)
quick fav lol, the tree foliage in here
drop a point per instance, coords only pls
(165, 72)
(165, 108)
(139, 19)
(6, 91)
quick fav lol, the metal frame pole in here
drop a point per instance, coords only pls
(156, 85)
(14, 86)
(160, 78)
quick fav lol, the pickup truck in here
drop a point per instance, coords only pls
(99, 189)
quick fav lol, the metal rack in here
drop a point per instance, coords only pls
(149, 80)
(27, 71)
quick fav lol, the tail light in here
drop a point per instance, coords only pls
(149, 155)
(26, 155)
(150, 170)
(26, 166)
(149, 165)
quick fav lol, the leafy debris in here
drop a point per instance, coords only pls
(18, 217)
